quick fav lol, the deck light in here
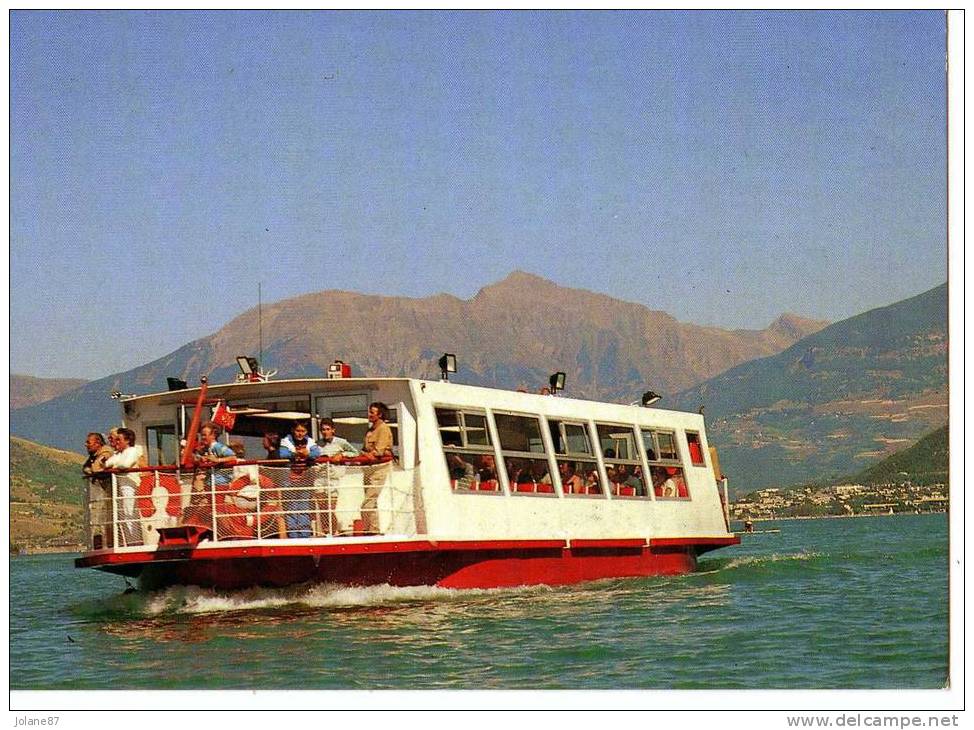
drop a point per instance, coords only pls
(448, 364)
(557, 382)
(249, 369)
(176, 384)
(338, 370)
(649, 397)
(248, 365)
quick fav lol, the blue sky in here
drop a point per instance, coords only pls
(722, 167)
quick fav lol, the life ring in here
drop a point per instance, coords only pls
(247, 502)
(147, 485)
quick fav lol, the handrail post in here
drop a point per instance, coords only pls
(259, 525)
(723, 484)
(89, 531)
(213, 503)
(115, 530)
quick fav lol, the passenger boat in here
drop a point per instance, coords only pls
(487, 488)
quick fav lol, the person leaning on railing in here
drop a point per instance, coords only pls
(302, 451)
(210, 454)
(378, 448)
(127, 456)
(99, 489)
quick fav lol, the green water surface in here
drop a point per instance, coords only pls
(844, 603)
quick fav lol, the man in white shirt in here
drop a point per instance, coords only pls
(127, 456)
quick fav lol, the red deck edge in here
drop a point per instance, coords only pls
(411, 546)
(710, 543)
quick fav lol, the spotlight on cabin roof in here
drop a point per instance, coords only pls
(248, 365)
(176, 383)
(557, 382)
(448, 364)
(649, 398)
(339, 369)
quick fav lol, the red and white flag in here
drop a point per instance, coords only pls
(223, 416)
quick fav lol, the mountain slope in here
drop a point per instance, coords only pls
(836, 400)
(513, 333)
(925, 462)
(26, 390)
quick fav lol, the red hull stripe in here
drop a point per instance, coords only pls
(698, 545)
(708, 543)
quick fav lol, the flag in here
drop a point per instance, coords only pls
(222, 416)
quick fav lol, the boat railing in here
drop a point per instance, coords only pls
(251, 500)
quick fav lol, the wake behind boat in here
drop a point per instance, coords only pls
(483, 488)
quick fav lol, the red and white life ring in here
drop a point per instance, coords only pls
(245, 502)
(147, 485)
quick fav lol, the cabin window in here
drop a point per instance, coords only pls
(523, 454)
(577, 466)
(623, 467)
(695, 448)
(468, 450)
(665, 468)
(161, 444)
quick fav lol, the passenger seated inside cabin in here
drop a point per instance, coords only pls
(518, 473)
(592, 485)
(462, 473)
(668, 482)
(539, 472)
(628, 484)
(571, 483)
(488, 472)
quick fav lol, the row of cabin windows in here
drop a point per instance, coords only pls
(472, 460)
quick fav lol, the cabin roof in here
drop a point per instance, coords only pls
(297, 386)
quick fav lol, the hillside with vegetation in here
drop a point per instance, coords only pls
(836, 401)
(925, 462)
(46, 496)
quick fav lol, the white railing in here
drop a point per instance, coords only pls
(250, 501)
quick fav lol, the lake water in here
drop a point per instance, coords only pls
(856, 603)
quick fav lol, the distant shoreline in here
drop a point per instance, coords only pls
(833, 517)
(50, 550)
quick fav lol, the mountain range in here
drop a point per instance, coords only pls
(511, 334)
(799, 401)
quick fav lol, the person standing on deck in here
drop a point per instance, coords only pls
(99, 490)
(335, 448)
(127, 456)
(302, 451)
(378, 447)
